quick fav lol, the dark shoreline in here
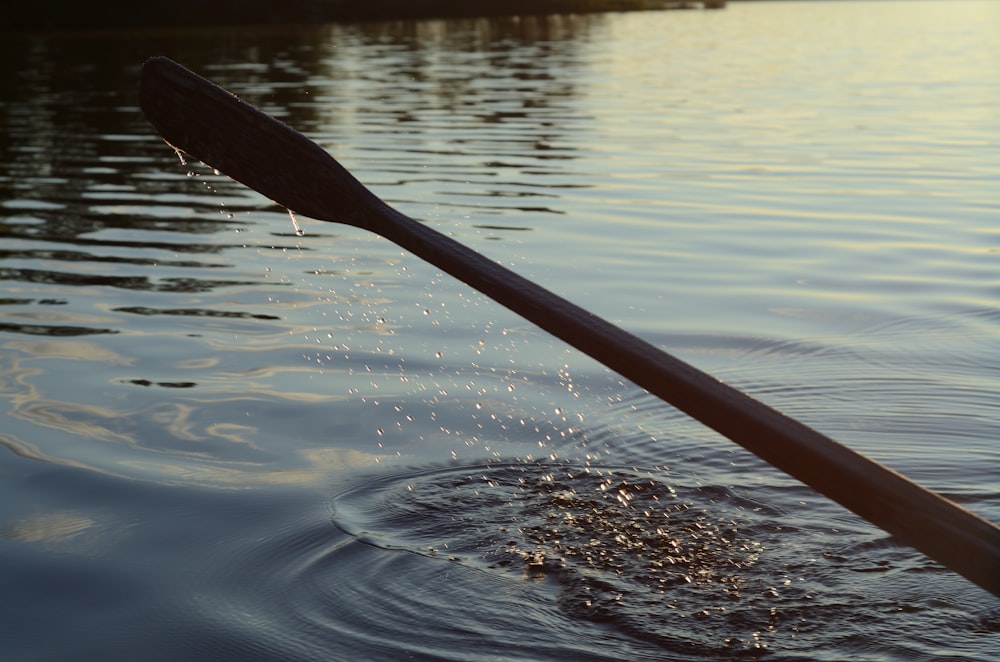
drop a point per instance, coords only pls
(72, 14)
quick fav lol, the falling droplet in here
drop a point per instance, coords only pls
(295, 223)
(180, 156)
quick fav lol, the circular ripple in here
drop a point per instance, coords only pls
(554, 561)
(614, 545)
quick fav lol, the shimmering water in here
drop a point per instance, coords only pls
(226, 441)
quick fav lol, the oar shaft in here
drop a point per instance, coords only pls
(943, 530)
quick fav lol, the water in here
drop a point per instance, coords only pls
(227, 441)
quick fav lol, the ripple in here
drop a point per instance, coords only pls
(663, 564)
(657, 564)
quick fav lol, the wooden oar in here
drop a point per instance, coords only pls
(197, 117)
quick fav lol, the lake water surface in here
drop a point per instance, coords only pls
(221, 440)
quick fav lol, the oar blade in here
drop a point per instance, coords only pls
(212, 125)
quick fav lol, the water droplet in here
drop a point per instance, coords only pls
(295, 223)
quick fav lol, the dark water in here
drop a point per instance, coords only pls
(225, 441)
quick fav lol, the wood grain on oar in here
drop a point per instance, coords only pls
(203, 120)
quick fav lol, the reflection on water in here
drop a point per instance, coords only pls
(57, 526)
(777, 193)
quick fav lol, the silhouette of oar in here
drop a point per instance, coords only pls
(197, 117)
